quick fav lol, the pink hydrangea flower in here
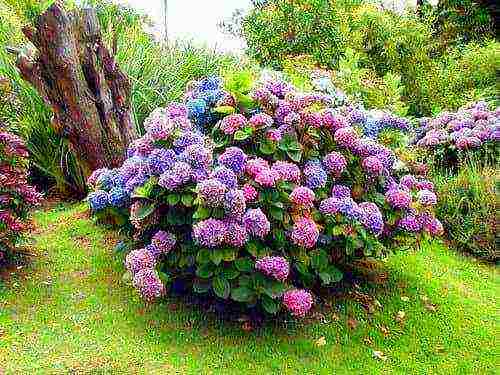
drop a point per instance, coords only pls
(298, 302)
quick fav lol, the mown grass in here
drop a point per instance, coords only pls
(70, 312)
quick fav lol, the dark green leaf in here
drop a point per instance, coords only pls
(221, 286)
(173, 199)
(244, 264)
(270, 305)
(242, 294)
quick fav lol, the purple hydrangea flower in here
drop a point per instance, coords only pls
(250, 193)
(286, 171)
(398, 198)
(372, 217)
(98, 200)
(330, 206)
(236, 234)
(233, 158)
(302, 196)
(305, 233)
(256, 223)
(148, 284)
(434, 227)
(255, 166)
(160, 160)
(225, 176)
(198, 156)
(372, 165)
(164, 241)
(341, 191)
(260, 121)
(273, 266)
(211, 192)
(235, 203)
(410, 223)
(266, 177)
(232, 123)
(138, 260)
(346, 137)
(315, 176)
(409, 181)
(298, 302)
(210, 233)
(335, 163)
(426, 198)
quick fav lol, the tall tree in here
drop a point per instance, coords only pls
(79, 79)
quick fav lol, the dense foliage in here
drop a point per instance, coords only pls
(469, 209)
(451, 136)
(258, 194)
(435, 73)
(16, 195)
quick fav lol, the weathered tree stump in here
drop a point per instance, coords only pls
(79, 79)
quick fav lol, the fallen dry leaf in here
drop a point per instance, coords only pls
(385, 331)
(321, 341)
(400, 316)
(431, 307)
(247, 327)
(368, 341)
(379, 355)
(352, 323)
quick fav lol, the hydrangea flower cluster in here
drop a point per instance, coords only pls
(276, 193)
(16, 195)
(475, 127)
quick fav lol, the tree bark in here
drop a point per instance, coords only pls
(78, 78)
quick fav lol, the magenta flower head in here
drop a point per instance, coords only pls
(346, 137)
(260, 121)
(236, 234)
(163, 241)
(341, 191)
(148, 284)
(210, 233)
(335, 163)
(372, 165)
(254, 166)
(302, 196)
(211, 192)
(425, 185)
(333, 121)
(330, 206)
(275, 267)
(305, 233)
(256, 223)
(233, 158)
(232, 123)
(298, 302)
(409, 181)
(426, 198)
(410, 223)
(398, 198)
(138, 260)
(266, 177)
(274, 135)
(250, 193)
(286, 171)
(235, 203)
(434, 227)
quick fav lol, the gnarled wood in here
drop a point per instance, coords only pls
(79, 79)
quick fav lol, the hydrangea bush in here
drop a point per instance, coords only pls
(451, 136)
(16, 195)
(258, 194)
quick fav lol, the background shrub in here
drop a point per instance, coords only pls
(469, 209)
(16, 196)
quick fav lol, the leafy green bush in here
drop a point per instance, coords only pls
(387, 46)
(469, 209)
(17, 197)
(254, 194)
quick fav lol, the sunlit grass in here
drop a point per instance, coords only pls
(70, 311)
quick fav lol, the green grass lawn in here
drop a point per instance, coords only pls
(70, 312)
